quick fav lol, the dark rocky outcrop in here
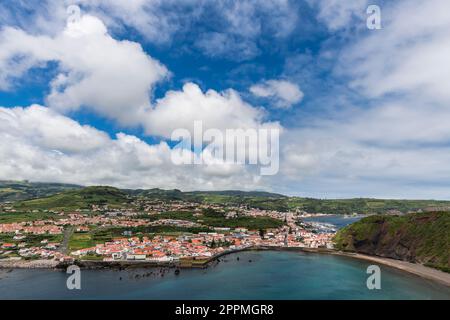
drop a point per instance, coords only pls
(419, 237)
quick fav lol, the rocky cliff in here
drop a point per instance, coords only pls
(419, 237)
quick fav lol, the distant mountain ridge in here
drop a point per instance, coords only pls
(23, 190)
(27, 195)
(179, 193)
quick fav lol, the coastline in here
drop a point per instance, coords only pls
(419, 270)
(416, 269)
(413, 268)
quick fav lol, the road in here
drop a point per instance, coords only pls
(64, 248)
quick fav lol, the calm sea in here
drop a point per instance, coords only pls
(256, 275)
(339, 221)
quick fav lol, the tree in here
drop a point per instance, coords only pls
(261, 233)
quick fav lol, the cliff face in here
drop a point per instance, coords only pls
(419, 237)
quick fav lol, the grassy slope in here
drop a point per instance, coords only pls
(78, 199)
(363, 205)
(419, 237)
(23, 190)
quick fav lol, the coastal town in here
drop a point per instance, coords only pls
(160, 232)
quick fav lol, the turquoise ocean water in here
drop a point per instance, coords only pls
(256, 275)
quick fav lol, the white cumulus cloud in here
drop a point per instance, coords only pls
(284, 94)
(219, 110)
(114, 78)
(38, 144)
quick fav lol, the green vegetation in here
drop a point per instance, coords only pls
(102, 235)
(7, 237)
(50, 196)
(362, 205)
(251, 223)
(93, 257)
(272, 201)
(31, 240)
(25, 216)
(213, 218)
(418, 237)
(201, 196)
(80, 241)
(34, 240)
(24, 190)
(78, 199)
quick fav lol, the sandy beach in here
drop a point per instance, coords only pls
(414, 268)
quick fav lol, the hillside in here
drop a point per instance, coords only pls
(238, 193)
(418, 237)
(274, 201)
(365, 205)
(77, 199)
(24, 190)
(226, 196)
(156, 194)
(55, 195)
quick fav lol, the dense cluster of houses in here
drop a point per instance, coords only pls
(30, 227)
(200, 246)
(47, 250)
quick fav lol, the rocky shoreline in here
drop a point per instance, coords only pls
(28, 264)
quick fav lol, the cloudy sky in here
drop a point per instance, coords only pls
(94, 100)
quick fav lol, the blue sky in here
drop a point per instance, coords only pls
(361, 111)
(269, 58)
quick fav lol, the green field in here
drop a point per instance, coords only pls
(78, 199)
(25, 216)
(80, 241)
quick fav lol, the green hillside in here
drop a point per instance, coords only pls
(219, 197)
(364, 205)
(24, 190)
(156, 194)
(54, 195)
(418, 237)
(77, 199)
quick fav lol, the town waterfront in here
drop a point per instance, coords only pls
(243, 275)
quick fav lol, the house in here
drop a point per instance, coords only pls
(82, 229)
(134, 256)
